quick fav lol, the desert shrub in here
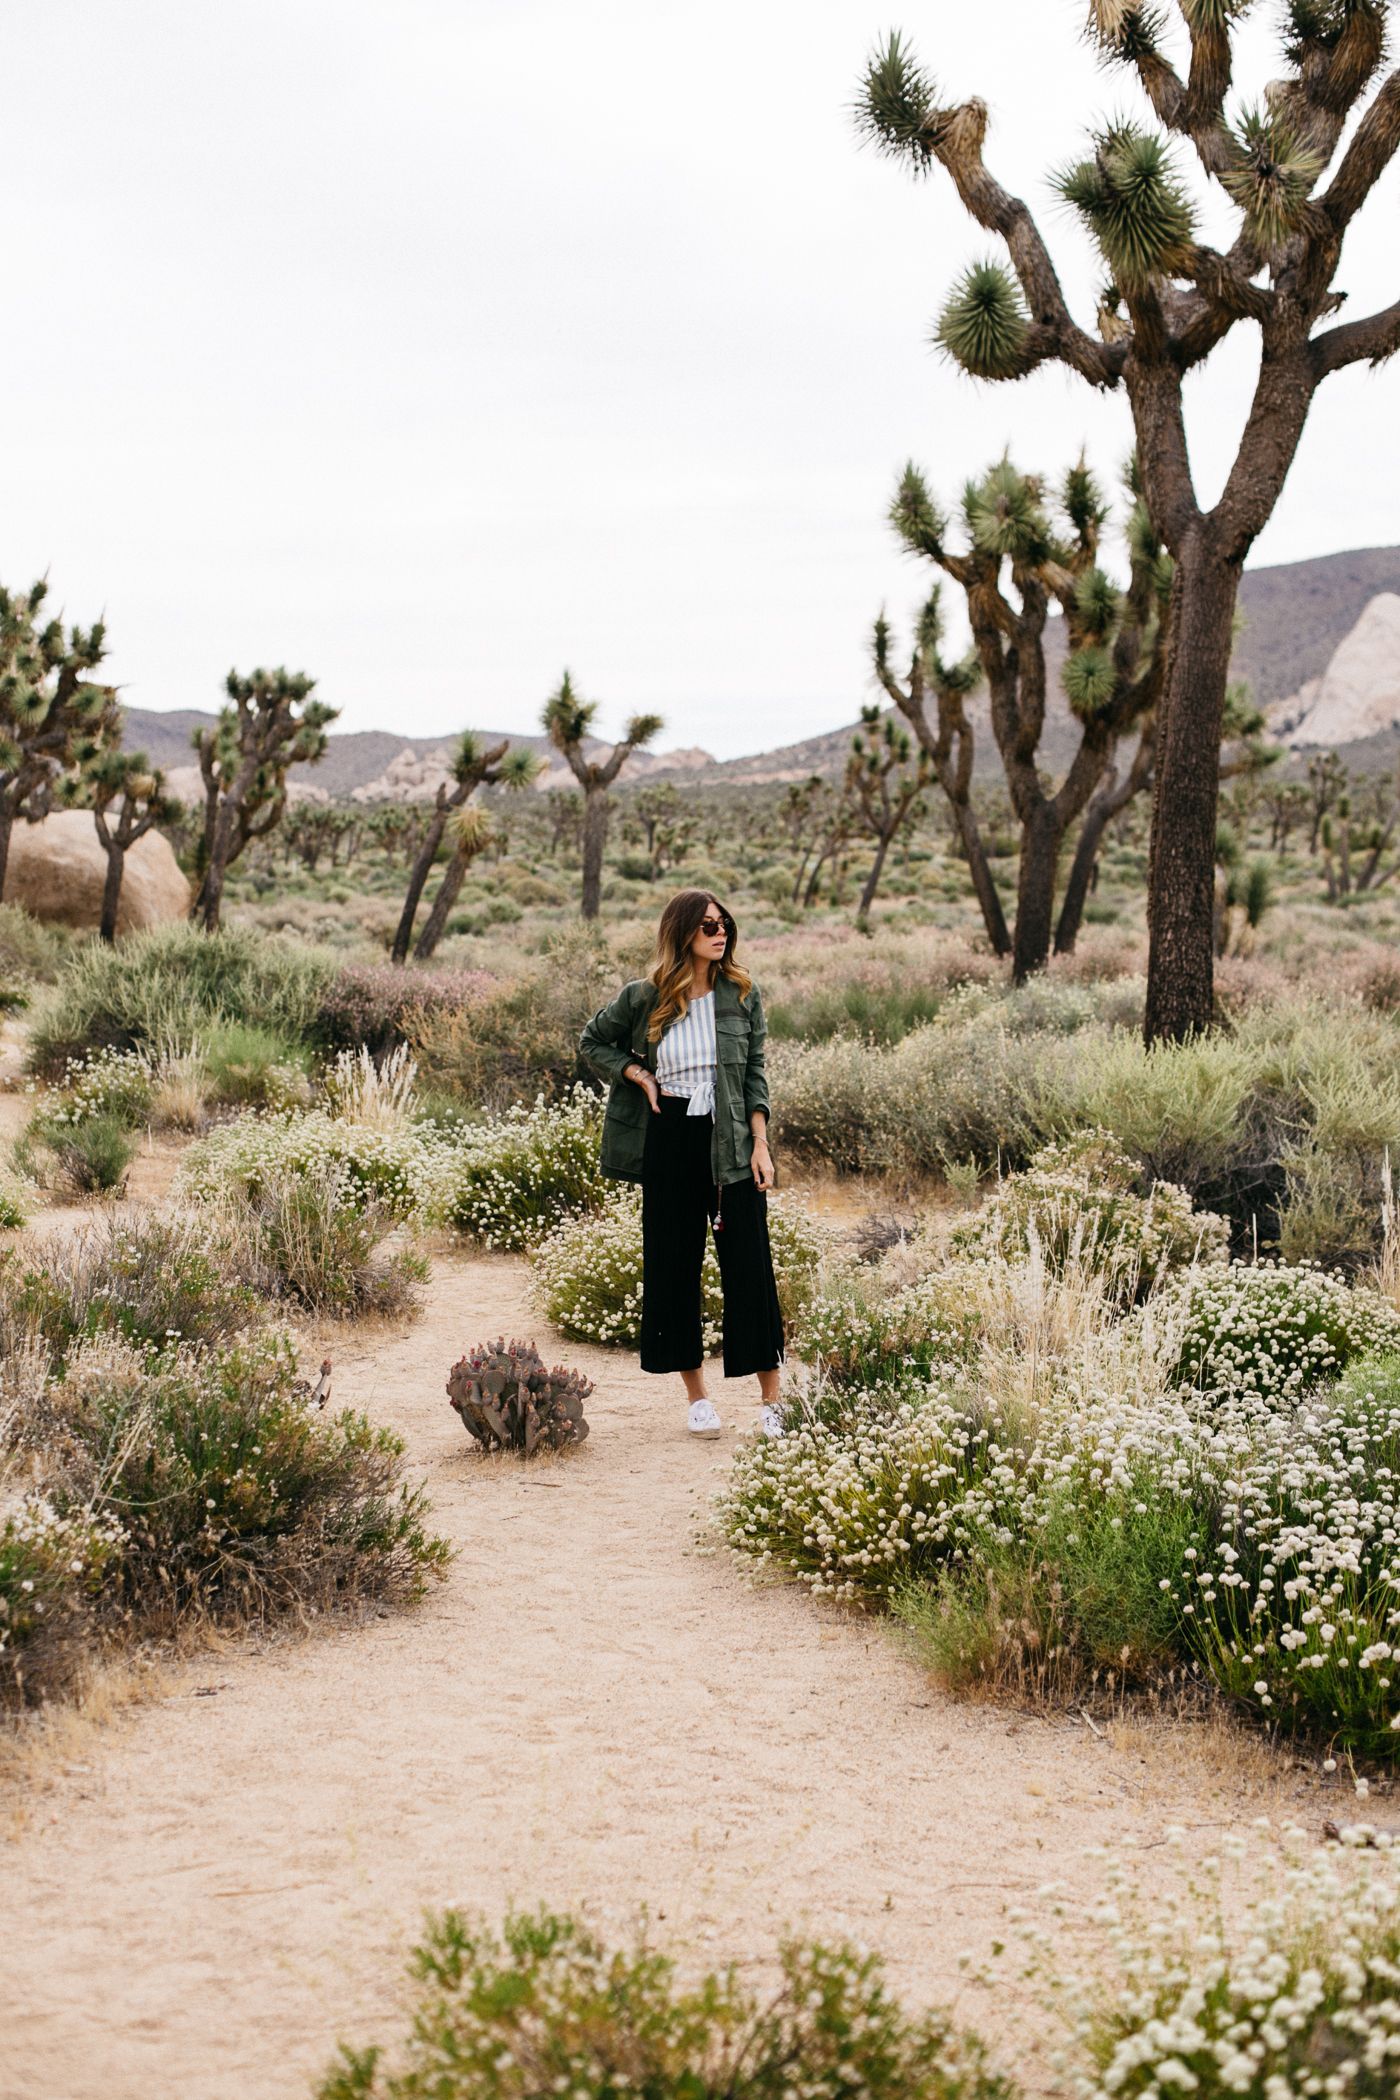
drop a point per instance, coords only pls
(30, 953)
(1281, 1982)
(252, 1066)
(547, 2009)
(1076, 1205)
(29, 948)
(1280, 1124)
(867, 1008)
(862, 1343)
(93, 1156)
(520, 1173)
(586, 1275)
(1293, 1587)
(233, 1500)
(412, 1172)
(1297, 1097)
(521, 1040)
(379, 1006)
(945, 1093)
(315, 1239)
(1272, 1331)
(113, 1083)
(174, 981)
(159, 1282)
(51, 1566)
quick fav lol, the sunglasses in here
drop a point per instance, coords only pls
(710, 927)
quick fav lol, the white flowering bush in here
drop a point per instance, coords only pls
(519, 1174)
(1268, 1330)
(939, 1319)
(51, 1563)
(1258, 1539)
(413, 1172)
(1269, 1973)
(1075, 1205)
(1291, 1591)
(106, 1083)
(587, 1273)
(850, 1509)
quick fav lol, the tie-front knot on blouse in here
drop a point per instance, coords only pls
(685, 1057)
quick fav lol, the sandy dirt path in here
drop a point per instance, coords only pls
(594, 1708)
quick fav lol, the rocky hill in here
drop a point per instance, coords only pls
(1320, 646)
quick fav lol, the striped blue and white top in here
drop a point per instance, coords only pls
(685, 1057)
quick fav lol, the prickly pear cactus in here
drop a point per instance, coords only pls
(509, 1402)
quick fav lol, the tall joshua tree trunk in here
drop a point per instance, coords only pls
(595, 838)
(1186, 796)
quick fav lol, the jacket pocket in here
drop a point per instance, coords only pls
(732, 1039)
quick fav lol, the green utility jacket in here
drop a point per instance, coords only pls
(617, 1037)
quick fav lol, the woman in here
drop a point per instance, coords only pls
(688, 1118)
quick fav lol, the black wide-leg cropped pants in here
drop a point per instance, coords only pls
(678, 1202)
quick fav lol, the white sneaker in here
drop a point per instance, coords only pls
(702, 1419)
(770, 1421)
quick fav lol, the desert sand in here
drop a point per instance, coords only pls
(595, 1708)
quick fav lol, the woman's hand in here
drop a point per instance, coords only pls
(763, 1172)
(640, 1076)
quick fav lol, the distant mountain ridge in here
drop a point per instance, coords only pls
(1297, 614)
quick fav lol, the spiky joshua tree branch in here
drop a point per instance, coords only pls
(1168, 300)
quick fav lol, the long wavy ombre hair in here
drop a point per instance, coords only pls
(673, 965)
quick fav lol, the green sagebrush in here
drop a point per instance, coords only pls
(546, 2009)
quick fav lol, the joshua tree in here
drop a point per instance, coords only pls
(1167, 303)
(1327, 778)
(144, 804)
(884, 787)
(565, 819)
(469, 829)
(836, 822)
(660, 817)
(52, 718)
(951, 684)
(472, 764)
(1243, 752)
(1285, 802)
(803, 816)
(567, 720)
(1116, 647)
(272, 724)
(1109, 799)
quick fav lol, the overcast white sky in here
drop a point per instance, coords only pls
(430, 345)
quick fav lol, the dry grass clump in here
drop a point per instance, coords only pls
(316, 1240)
